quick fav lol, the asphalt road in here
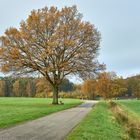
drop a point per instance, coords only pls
(52, 127)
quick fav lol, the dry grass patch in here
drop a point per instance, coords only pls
(127, 119)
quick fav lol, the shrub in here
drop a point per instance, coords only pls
(41, 95)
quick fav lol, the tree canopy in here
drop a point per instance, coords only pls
(54, 43)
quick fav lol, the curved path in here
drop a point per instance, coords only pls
(52, 127)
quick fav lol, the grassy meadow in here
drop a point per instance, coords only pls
(131, 106)
(15, 110)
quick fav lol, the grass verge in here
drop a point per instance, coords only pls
(99, 124)
(128, 119)
(15, 110)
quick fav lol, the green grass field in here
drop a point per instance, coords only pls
(132, 105)
(15, 110)
(100, 124)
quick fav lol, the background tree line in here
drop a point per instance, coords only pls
(29, 87)
(108, 85)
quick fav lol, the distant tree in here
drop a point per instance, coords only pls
(77, 87)
(2, 88)
(133, 85)
(30, 88)
(119, 87)
(103, 86)
(54, 43)
(89, 88)
(42, 86)
(24, 87)
(66, 86)
(109, 85)
(16, 88)
(8, 86)
(136, 92)
(32, 84)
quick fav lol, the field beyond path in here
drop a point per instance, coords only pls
(54, 126)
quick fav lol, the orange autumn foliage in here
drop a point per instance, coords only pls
(54, 43)
(89, 88)
(109, 85)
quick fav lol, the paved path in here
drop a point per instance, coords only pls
(52, 127)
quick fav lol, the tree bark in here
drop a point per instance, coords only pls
(55, 94)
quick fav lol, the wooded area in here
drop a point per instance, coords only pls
(105, 85)
(108, 85)
(29, 87)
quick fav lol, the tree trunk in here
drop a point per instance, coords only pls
(55, 94)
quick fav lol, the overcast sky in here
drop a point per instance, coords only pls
(117, 20)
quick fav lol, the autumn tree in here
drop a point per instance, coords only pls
(16, 88)
(2, 88)
(42, 86)
(109, 85)
(89, 88)
(31, 88)
(54, 43)
(119, 87)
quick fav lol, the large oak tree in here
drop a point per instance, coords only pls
(54, 43)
